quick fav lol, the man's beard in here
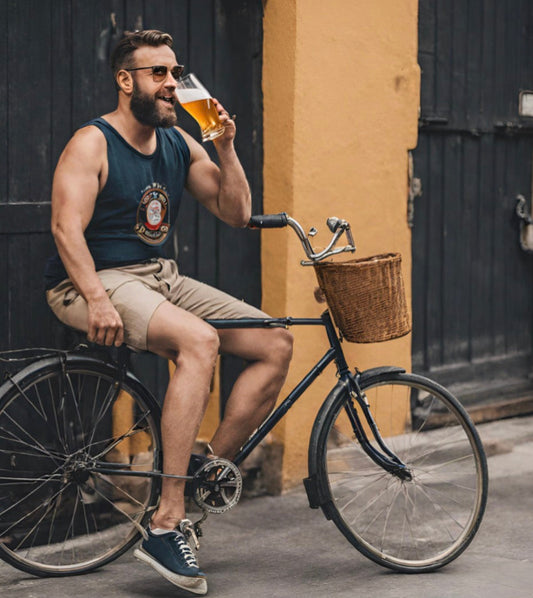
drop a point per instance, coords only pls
(144, 108)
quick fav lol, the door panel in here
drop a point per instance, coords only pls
(55, 77)
(472, 284)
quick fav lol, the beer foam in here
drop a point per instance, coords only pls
(192, 95)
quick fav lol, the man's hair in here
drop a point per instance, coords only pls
(122, 55)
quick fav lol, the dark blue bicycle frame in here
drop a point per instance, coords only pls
(388, 460)
(385, 459)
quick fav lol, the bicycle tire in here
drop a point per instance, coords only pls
(414, 525)
(58, 516)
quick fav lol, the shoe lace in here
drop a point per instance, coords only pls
(185, 551)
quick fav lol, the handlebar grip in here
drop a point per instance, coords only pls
(268, 221)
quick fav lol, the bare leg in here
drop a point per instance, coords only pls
(193, 346)
(255, 392)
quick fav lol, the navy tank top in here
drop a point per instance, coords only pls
(135, 213)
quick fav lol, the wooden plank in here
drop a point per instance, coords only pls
(4, 294)
(4, 128)
(487, 68)
(443, 66)
(494, 296)
(434, 268)
(25, 217)
(473, 60)
(105, 96)
(83, 62)
(134, 15)
(467, 240)
(482, 296)
(500, 60)
(239, 250)
(426, 55)
(29, 91)
(419, 255)
(201, 53)
(458, 59)
(61, 80)
(28, 327)
(455, 255)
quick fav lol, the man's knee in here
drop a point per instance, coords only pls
(280, 346)
(203, 346)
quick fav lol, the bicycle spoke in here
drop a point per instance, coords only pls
(58, 515)
(126, 494)
(420, 520)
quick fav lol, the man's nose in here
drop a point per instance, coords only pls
(169, 79)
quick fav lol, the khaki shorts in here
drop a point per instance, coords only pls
(137, 291)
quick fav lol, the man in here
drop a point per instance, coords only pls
(116, 191)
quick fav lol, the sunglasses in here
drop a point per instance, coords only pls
(159, 72)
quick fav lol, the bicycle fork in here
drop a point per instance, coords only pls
(372, 443)
(385, 459)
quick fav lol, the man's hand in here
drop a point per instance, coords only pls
(229, 125)
(104, 323)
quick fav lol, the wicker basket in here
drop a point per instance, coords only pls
(366, 297)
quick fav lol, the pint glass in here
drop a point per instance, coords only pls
(195, 98)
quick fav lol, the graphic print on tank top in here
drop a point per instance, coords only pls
(153, 215)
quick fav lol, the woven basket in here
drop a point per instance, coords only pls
(366, 297)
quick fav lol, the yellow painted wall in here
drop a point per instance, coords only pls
(341, 97)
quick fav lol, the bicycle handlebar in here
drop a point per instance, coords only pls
(268, 221)
(337, 226)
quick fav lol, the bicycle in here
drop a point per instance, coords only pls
(80, 456)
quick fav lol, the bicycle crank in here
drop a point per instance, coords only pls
(217, 485)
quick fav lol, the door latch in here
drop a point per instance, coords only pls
(526, 224)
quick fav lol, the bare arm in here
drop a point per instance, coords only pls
(223, 190)
(75, 187)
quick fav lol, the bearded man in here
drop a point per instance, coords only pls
(115, 199)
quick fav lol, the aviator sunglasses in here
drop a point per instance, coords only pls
(159, 72)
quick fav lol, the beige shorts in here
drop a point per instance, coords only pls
(137, 291)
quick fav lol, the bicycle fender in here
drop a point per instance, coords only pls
(316, 494)
(375, 372)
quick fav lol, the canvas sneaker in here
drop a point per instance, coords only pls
(171, 556)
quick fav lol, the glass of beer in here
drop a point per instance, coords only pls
(195, 98)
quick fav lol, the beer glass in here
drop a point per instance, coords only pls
(195, 98)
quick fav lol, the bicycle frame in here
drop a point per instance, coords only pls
(387, 459)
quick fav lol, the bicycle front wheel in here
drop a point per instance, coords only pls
(62, 420)
(412, 523)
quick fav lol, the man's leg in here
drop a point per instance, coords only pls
(254, 394)
(193, 346)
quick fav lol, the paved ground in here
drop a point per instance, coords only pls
(276, 547)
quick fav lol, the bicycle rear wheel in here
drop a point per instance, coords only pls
(416, 524)
(60, 420)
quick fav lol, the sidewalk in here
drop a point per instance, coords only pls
(276, 547)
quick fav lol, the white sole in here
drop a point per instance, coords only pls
(196, 585)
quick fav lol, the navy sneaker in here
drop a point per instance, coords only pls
(171, 556)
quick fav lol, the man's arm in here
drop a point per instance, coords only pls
(223, 189)
(75, 187)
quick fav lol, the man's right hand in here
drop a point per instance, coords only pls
(105, 324)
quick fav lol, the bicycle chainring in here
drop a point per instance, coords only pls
(217, 485)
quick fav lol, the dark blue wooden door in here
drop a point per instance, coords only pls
(472, 283)
(54, 77)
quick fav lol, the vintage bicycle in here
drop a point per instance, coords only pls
(394, 459)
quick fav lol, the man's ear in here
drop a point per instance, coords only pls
(125, 81)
